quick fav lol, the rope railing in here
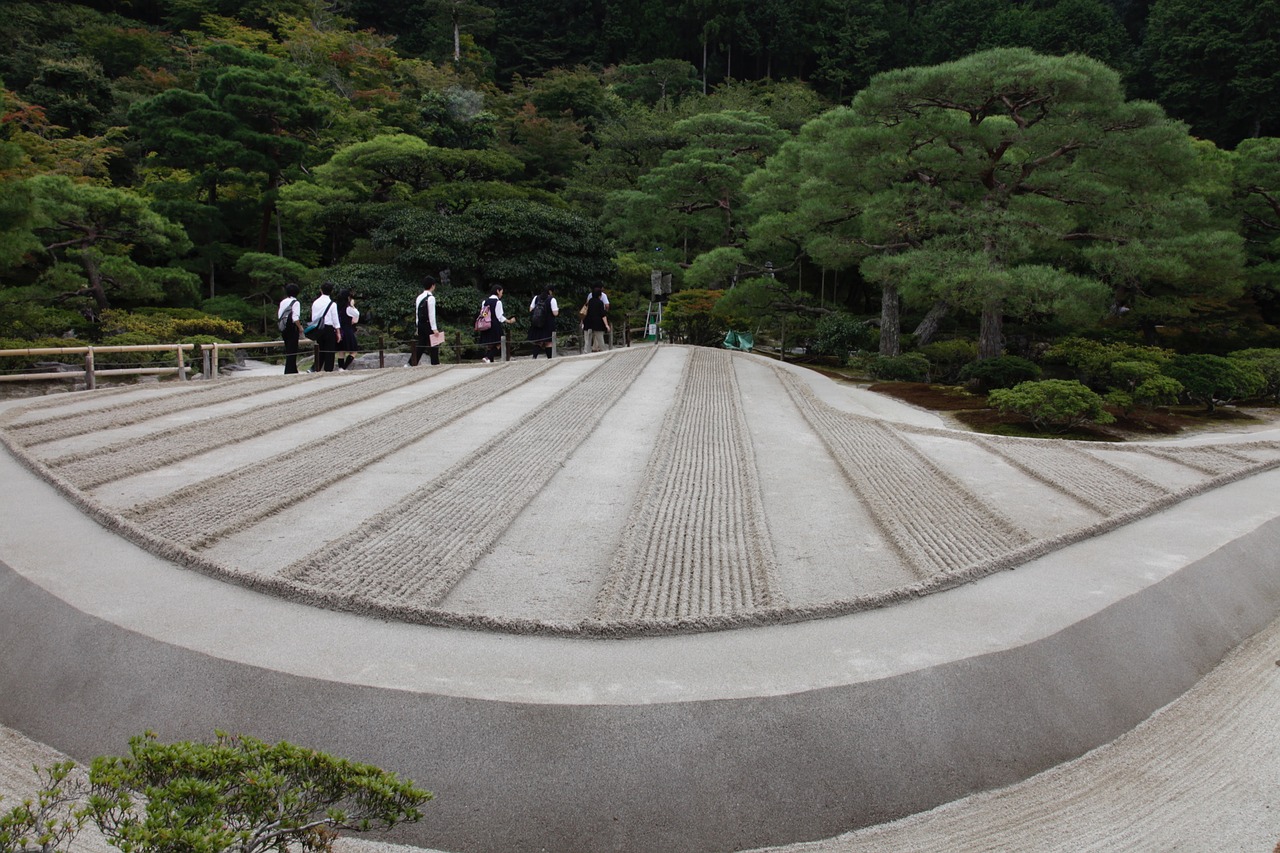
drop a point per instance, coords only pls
(91, 371)
(211, 354)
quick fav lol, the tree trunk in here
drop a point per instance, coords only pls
(890, 321)
(929, 325)
(991, 337)
(94, 275)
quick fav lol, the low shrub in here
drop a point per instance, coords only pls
(948, 358)
(1267, 362)
(840, 333)
(1054, 405)
(1213, 379)
(234, 794)
(1004, 371)
(909, 367)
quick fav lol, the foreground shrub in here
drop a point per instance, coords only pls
(1054, 405)
(1213, 379)
(235, 794)
(241, 794)
(911, 367)
(1004, 371)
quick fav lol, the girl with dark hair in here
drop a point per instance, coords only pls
(348, 316)
(543, 311)
(491, 338)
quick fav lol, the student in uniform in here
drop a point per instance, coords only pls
(324, 311)
(287, 317)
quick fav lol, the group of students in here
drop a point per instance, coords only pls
(543, 311)
(334, 319)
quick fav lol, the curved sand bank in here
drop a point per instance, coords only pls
(693, 741)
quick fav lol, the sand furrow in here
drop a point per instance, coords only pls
(415, 551)
(935, 522)
(1098, 485)
(137, 455)
(1207, 460)
(212, 508)
(54, 427)
(698, 544)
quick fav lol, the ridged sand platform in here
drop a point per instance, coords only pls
(590, 601)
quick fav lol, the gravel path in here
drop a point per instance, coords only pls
(685, 544)
(233, 500)
(697, 544)
(133, 456)
(41, 430)
(468, 506)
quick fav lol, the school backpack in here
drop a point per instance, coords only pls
(485, 320)
(423, 318)
(538, 317)
(285, 320)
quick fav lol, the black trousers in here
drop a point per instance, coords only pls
(423, 344)
(290, 335)
(327, 341)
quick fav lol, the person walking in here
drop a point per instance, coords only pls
(491, 338)
(287, 317)
(324, 313)
(595, 320)
(543, 311)
(348, 317)
(425, 324)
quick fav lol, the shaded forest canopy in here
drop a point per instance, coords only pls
(195, 155)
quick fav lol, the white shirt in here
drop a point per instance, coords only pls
(498, 316)
(354, 313)
(329, 313)
(290, 304)
(431, 309)
(555, 307)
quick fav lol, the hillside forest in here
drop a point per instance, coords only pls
(877, 176)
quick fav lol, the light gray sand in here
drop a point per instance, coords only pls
(1202, 775)
(646, 490)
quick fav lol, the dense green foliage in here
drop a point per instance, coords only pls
(234, 794)
(1053, 405)
(988, 162)
(1004, 371)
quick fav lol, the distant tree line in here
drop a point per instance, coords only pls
(984, 167)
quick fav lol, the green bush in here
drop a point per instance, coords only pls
(227, 330)
(909, 367)
(235, 794)
(24, 363)
(28, 321)
(948, 358)
(1055, 405)
(840, 333)
(1213, 379)
(1267, 362)
(1004, 371)
(1096, 364)
(234, 308)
